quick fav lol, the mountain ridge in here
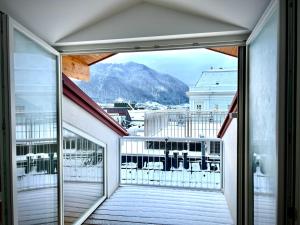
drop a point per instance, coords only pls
(134, 82)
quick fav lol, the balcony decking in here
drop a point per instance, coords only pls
(39, 206)
(158, 205)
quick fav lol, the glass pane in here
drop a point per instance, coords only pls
(263, 81)
(83, 166)
(35, 79)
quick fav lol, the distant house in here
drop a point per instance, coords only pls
(119, 114)
(213, 91)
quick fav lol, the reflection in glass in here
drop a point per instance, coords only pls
(35, 78)
(83, 166)
(262, 121)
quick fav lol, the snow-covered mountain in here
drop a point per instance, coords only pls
(133, 82)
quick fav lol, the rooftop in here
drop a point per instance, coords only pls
(216, 80)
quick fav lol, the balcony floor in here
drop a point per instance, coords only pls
(39, 206)
(158, 205)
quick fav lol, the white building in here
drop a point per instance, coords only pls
(214, 90)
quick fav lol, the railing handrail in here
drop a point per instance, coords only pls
(185, 111)
(40, 140)
(169, 138)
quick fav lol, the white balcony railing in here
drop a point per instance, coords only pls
(183, 124)
(176, 162)
(36, 150)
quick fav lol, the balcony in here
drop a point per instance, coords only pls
(167, 181)
(158, 205)
(111, 178)
(170, 180)
(162, 181)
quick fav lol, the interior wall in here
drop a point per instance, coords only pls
(79, 118)
(230, 168)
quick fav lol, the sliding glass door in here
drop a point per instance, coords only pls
(34, 152)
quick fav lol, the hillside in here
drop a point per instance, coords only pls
(133, 82)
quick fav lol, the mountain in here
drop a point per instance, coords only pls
(133, 82)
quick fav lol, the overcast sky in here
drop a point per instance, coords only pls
(185, 65)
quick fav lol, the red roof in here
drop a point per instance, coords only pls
(74, 93)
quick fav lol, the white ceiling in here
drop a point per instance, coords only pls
(70, 20)
(150, 22)
(242, 13)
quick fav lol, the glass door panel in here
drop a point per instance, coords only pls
(84, 169)
(34, 94)
(263, 86)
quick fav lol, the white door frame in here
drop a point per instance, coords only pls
(11, 25)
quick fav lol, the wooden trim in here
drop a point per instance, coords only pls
(233, 108)
(230, 51)
(78, 66)
(75, 68)
(108, 56)
(75, 94)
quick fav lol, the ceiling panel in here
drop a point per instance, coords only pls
(56, 19)
(147, 21)
(243, 13)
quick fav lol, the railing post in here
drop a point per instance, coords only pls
(187, 125)
(222, 165)
(120, 161)
(203, 156)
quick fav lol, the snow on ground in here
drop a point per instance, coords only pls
(263, 183)
(38, 180)
(77, 173)
(153, 174)
(151, 105)
(137, 130)
(138, 148)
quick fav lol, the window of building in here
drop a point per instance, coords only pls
(215, 147)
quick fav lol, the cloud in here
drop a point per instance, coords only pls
(186, 65)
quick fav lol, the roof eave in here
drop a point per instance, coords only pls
(74, 93)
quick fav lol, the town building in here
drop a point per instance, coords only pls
(213, 91)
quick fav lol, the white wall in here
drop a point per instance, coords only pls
(209, 101)
(230, 167)
(79, 118)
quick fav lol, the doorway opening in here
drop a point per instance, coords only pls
(179, 109)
